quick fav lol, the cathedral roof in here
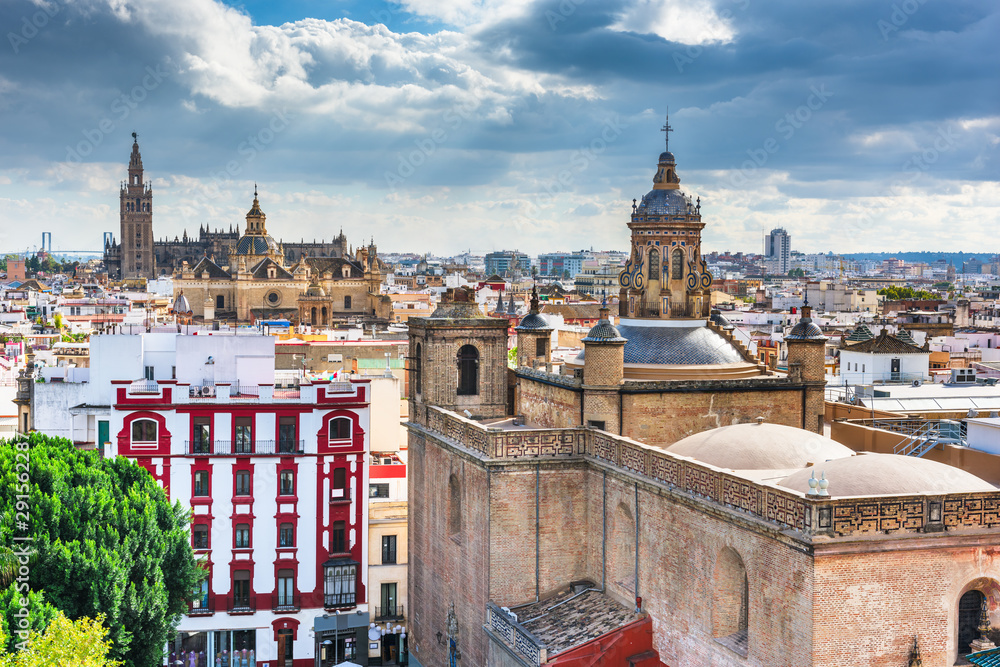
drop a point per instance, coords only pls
(213, 269)
(872, 474)
(685, 345)
(335, 265)
(260, 270)
(759, 446)
(665, 202)
(251, 244)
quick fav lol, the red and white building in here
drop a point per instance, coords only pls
(276, 475)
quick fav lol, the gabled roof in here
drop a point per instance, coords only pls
(260, 271)
(885, 343)
(334, 265)
(861, 333)
(573, 311)
(214, 270)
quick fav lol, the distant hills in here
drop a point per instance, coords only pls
(927, 256)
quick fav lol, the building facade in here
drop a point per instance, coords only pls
(778, 251)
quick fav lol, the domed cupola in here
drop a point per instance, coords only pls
(256, 240)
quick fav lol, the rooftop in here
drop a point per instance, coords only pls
(568, 619)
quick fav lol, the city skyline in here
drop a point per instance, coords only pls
(502, 125)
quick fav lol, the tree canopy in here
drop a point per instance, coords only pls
(81, 643)
(895, 293)
(107, 541)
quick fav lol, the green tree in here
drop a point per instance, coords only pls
(32, 617)
(896, 293)
(80, 643)
(108, 541)
(57, 321)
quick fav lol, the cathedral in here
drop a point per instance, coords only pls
(138, 255)
(667, 501)
(258, 282)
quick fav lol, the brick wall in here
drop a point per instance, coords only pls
(548, 405)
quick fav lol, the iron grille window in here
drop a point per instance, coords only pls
(287, 483)
(286, 434)
(201, 483)
(286, 536)
(242, 536)
(339, 585)
(243, 483)
(244, 435)
(202, 436)
(388, 549)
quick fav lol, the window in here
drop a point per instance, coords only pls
(144, 430)
(242, 538)
(286, 434)
(340, 428)
(200, 536)
(201, 483)
(287, 483)
(677, 264)
(338, 544)
(241, 589)
(347, 303)
(286, 535)
(416, 371)
(454, 506)
(378, 490)
(596, 424)
(200, 595)
(242, 483)
(148, 373)
(339, 482)
(388, 549)
(468, 371)
(201, 437)
(540, 346)
(219, 302)
(654, 264)
(286, 588)
(243, 442)
(339, 585)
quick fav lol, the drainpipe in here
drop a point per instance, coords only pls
(604, 532)
(537, 476)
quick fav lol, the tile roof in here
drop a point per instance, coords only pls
(884, 344)
(677, 345)
(334, 265)
(575, 620)
(214, 270)
(573, 311)
(988, 658)
(260, 271)
(861, 333)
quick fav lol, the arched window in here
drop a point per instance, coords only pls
(677, 265)
(969, 610)
(312, 319)
(143, 430)
(416, 371)
(654, 264)
(468, 371)
(323, 315)
(454, 506)
(731, 601)
(347, 303)
(340, 428)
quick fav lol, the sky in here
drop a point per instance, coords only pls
(444, 126)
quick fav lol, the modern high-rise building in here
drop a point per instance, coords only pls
(777, 251)
(507, 262)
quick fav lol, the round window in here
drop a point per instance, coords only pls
(273, 298)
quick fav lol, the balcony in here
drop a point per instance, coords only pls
(339, 600)
(242, 604)
(201, 607)
(287, 603)
(144, 387)
(392, 613)
(647, 309)
(254, 448)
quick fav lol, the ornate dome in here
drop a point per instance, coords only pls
(533, 322)
(887, 474)
(760, 447)
(181, 305)
(252, 244)
(806, 329)
(665, 202)
(667, 156)
(315, 290)
(603, 332)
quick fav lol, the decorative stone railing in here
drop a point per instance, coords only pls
(785, 508)
(520, 640)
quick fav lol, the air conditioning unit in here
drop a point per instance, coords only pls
(208, 391)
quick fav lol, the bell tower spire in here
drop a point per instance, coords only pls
(136, 210)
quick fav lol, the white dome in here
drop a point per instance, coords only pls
(759, 447)
(887, 474)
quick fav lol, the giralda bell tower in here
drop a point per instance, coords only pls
(137, 258)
